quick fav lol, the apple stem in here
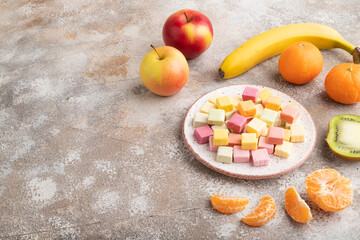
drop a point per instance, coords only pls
(160, 58)
(187, 20)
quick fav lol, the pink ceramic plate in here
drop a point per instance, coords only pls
(278, 166)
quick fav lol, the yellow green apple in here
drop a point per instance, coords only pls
(164, 71)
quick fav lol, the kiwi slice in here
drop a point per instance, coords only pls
(344, 136)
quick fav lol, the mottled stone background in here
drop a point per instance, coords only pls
(87, 152)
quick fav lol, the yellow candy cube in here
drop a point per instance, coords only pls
(207, 106)
(249, 141)
(224, 103)
(287, 135)
(247, 108)
(259, 110)
(213, 97)
(235, 99)
(256, 126)
(283, 150)
(297, 134)
(273, 103)
(221, 137)
(264, 94)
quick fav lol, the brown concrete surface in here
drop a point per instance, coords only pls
(87, 152)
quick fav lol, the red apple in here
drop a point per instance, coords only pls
(189, 31)
(164, 71)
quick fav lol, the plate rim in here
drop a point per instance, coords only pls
(244, 176)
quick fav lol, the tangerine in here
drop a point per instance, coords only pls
(225, 204)
(263, 213)
(300, 63)
(296, 207)
(342, 83)
(329, 190)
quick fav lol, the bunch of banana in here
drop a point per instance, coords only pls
(274, 41)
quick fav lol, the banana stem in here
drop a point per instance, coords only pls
(221, 73)
(356, 55)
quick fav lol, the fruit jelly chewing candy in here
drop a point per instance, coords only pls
(221, 137)
(278, 122)
(248, 119)
(237, 123)
(200, 119)
(256, 126)
(224, 103)
(273, 103)
(287, 135)
(224, 154)
(264, 94)
(206, 107)
(250, 93)
(234, 139)
(260, 157)
(275, 135)
(284, 106)
(269, 116)
(228, 115)
(202, 134)
(283, 150)
(297, 134)
(248, 141)
(235, 99)
(259, 110)
(264, 134)
(240, 155)
(213, 127)
(211, 146)
(214, 96)
(290, 114)
(247, 108)
(216, 117)
(288, 125)
(263, 145)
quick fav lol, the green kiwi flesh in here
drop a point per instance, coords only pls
(343, 137)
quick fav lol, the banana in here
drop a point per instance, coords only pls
(274, 41)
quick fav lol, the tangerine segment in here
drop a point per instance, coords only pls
(329, 190)
(263, 213)
(225, 204)
(296, 207)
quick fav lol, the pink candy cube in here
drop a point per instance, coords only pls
(240, 155)
(289, 114)
(250, 93)
(234, 139)
(263, 145)
(211, 145)
(260, 157)
(236, 122)
(275, 135)
(202, 134)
